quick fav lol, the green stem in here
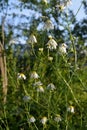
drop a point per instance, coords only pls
(69, 87)
(48, 52)
(36, 126)
(37, 96)
(33, 50)
(7, 128)
(44, 126)
(66, 113)
(49, 105)
(57, 126)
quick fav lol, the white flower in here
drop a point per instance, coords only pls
(45, 1)
(32, 39)
(34, 75)
(60, 7)
(40, 89)
(57, 118)
(41, 49)
(52, 44)
(13, 41)
(71, 109)
(48, 25)
(21, 76)
(38, 83)
(26, 98)
(50, 58)
(62, 48)
(32, 119)
(51, 86)
(43, 120)
(68, 2)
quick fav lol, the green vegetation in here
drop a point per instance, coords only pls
(43, 82)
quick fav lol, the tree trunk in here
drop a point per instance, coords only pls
(3, 72)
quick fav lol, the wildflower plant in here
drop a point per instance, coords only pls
(51, 44)
(51, 93)
(63, 48)
(48, 25)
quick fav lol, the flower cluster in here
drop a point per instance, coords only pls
(32, 119)
(63, 48)
(51, 44)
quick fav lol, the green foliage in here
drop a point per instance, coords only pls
(44, 80)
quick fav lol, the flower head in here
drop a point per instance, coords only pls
(32, 119)
(51, 87)
(52, 44)
(26, 98)
(38, 83)
(57, 118)
(60, 7)
(34, 75)
(50, 58)
(71, 109)
(68, 2)
(12, 41)
(40, 89)
(48, 25)
(21, 76)
(62, 48)
(32, 39)
(45, 1)
(43, 120)
(41, 50)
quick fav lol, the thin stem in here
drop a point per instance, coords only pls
(74, 47)
(48, 52)
(7, 128)
(66, 113)
(44, 126)
(33, 49)
(49, 105)
(57, 126)
(36, 126)
(37, 96)
(69, 89)
(78, 10)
